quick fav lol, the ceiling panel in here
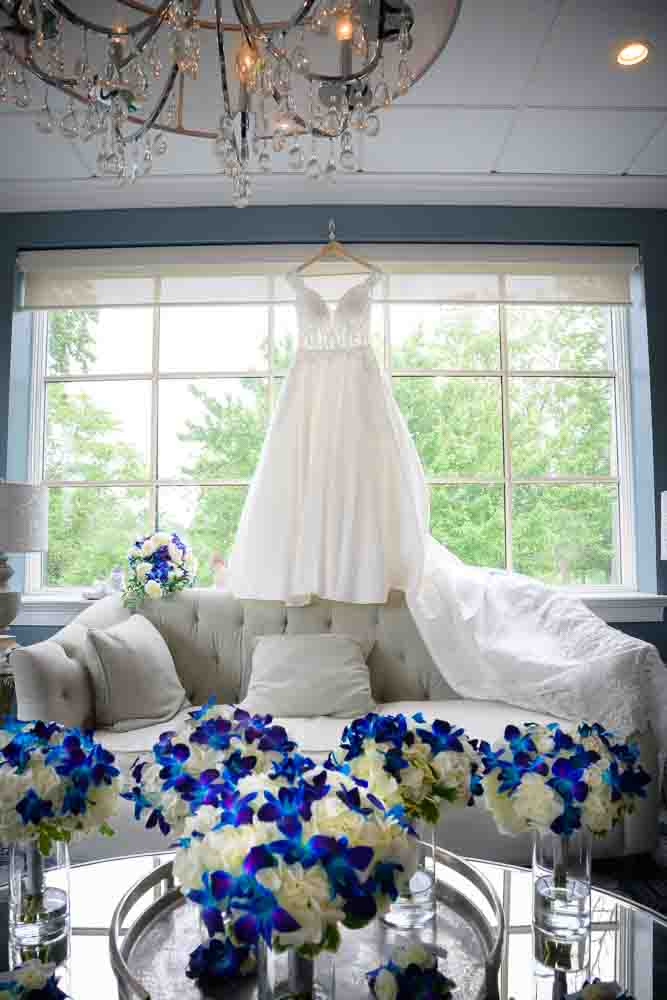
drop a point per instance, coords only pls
(575, 67)
(24, 153)
(490, 55)
(446, 140)
(653, 160)
(584, 142)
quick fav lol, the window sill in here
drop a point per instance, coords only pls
(58, 608)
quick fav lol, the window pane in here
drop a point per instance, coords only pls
(566, 534)
(562, 427)
(470, 520)
(573, 337)
(444, 336)
(90, 530)
(98, 430)
(206, 516)
(211, 428)
(214, 338)
(284, 336)
(455, 422)
(100, 341)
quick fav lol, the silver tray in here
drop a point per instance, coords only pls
(149, 954)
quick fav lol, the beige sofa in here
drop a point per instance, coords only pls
(210, 635)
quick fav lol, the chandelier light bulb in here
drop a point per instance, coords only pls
(344, 27)
(246, 63)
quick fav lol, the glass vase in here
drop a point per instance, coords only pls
(416, 906)
(287, 975)
(39, 894)
(562, 899)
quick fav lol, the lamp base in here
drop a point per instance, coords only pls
(7, 643)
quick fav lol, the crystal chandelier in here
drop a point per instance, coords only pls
(307, 88)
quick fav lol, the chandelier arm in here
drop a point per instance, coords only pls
(220, 31)
(151, 31)
(101, 29)
(155, 113)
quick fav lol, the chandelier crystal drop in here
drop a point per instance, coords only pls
(284, 92)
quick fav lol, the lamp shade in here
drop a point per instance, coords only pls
(24, 509)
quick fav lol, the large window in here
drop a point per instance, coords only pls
(155, 415)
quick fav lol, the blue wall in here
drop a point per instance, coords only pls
(646, 229)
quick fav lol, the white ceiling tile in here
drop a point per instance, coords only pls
(576, 67)
(440, 141)
(653, 160)
(24, 153)
(490, 54)
(584, 142)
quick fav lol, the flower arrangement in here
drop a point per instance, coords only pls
(159, 564)
(410, 974)
(287, 857)
(31, 981)
(219, 746)
(410, 764)
(551, 778)
(56, 784)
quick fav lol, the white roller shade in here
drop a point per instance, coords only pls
(56, 279)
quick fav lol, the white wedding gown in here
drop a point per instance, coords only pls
(338, 508)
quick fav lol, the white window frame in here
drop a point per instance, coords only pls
(615, 602)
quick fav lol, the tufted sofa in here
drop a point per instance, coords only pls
(210, 635)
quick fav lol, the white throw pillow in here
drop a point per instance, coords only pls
(299, 676)
(133, 674)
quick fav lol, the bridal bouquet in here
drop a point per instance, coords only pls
(56, 784)
(411, 972)
(159, 564)
(550, 778)
(31, 981)
(284, 864)
(411, 765)
(205, 761)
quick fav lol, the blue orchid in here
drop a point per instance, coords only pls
(519, 742)
(286, 810)
(237, 766)
(442, 737)
(567, 780)
(212, 898)
(214, 733)
(235, 809)
(32, 809)
(199, 713)
(291, 767)
(216, 961)
(259, 913)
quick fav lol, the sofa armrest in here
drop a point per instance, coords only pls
(52, 686)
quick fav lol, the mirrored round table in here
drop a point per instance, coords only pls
(628, 942)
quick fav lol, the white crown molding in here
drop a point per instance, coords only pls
(363, 188)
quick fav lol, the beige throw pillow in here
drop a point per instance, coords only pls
(133, 674)
(300, 676)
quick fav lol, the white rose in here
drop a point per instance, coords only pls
(142, 570)
(175, 553)
(153, 590)
(386, 987)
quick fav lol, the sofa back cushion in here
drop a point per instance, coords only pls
(211, 636)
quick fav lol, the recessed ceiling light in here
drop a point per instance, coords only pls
(632, 54)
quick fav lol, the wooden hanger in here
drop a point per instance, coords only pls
(335, 250)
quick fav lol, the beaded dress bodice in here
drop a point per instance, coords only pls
(344, 326)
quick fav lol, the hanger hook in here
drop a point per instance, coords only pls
(332, 230)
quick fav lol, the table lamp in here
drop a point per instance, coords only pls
(24, 511)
